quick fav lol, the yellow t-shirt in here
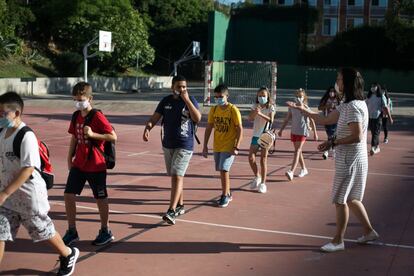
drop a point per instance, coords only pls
(225, 122)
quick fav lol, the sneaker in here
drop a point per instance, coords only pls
(303, 172)
(225, 200)
(325, 155)
(331, 247)
(255, 182)
(179, 210)
(70, 237)
(262, 188)
(169, 217)
(377, 150)
(105, 236)
(289, 175)
(372, 236)
(67, 264)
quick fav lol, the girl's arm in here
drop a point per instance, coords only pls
(331, 119)
(315, 133)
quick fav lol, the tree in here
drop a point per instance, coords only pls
(73, 23)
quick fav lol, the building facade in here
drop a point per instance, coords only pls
(338, 15)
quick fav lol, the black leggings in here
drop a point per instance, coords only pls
(385, 126)
(375, 127)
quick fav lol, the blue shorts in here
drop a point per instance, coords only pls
(255, 141)
(223, 161)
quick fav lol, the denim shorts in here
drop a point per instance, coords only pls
(40, 227)
(223, 161)
(177, 161)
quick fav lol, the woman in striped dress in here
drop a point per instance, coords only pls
(351, 160)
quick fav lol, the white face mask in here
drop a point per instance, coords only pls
(176, 93)
(82, 105)
(337, 88)
(331, 94)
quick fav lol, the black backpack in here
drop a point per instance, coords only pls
(109, 147)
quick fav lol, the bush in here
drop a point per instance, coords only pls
(69, 64)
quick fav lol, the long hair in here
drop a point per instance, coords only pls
(269, 98)
(305, 97)
(353, 84)
(378, 92)
(325, 97)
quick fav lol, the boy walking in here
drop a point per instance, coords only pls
(225, 118)
(23, 194)
(179, 113)
(89, 130)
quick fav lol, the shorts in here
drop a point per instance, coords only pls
(77, 179)
(223, 161)
(297, 138)
(40, 227)
(177, 160)
(255, 141)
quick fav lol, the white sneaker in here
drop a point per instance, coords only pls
(262, 188)
(377, 150)
(331, 247)
(289, 175)
(303, 172)
(372, 236)
(325, 155)
(255, 182)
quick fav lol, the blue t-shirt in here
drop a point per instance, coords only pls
(177, 123)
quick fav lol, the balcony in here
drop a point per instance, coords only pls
(378, 11)
(330, 10)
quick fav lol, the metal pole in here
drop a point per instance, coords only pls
(85, 63)
(175, 69)
(136, 79)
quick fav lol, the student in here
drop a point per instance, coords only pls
(179, 113)
(328, 103)
(23, 194)
(262, 113)
(385, 117)
(376, 103)
(225, 118)
(299, 132)
(86, 163)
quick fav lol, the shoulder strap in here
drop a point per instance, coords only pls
(89, 117)
(17, 142)
(74, 117)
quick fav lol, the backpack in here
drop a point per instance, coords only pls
(109, 152)
(45, 170)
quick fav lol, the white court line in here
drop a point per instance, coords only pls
(240, 227)
(138, 153)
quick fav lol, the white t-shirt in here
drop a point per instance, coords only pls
(31, 197)
(259, 123)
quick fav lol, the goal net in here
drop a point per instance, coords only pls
(243, 78)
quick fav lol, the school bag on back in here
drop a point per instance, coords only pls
(109, 152)
(46, 169)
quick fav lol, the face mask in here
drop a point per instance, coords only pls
(176, 93)
(337, 88)
(6, 123)
(299, 100)
(262, 100)
(373, 89)
(220, 101)
(82, 105)
(332, 94)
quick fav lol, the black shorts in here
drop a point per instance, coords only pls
(77, 179)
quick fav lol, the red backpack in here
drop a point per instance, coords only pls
(45, 170)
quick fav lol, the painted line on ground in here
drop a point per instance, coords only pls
(138, 153)
(286, 233)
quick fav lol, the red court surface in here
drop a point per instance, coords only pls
(277, 233)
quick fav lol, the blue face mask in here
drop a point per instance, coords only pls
(262, 100)
(220, 101)
(6, 123)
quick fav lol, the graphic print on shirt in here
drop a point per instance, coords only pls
(185, 123)
(80, 135)
(222, 124)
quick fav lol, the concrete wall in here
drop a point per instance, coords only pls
(39, 86)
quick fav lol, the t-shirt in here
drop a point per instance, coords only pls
(300, 122)
(31, 197)
(375, 105)
(177, 124)
(259, 123)
(225, 122)
(96, 162)
(353, 112)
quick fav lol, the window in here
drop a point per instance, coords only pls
(351, 2)
(375, 3)
(328, 3)
(330, 26)
(285, 2)
(312, 3)
(357, 3)
(354, 22)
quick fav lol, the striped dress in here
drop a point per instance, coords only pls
(351, 161)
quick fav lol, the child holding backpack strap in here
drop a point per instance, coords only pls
(87, 163)
(23, 195)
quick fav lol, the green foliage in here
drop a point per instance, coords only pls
(73, 23)
(69, 64)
